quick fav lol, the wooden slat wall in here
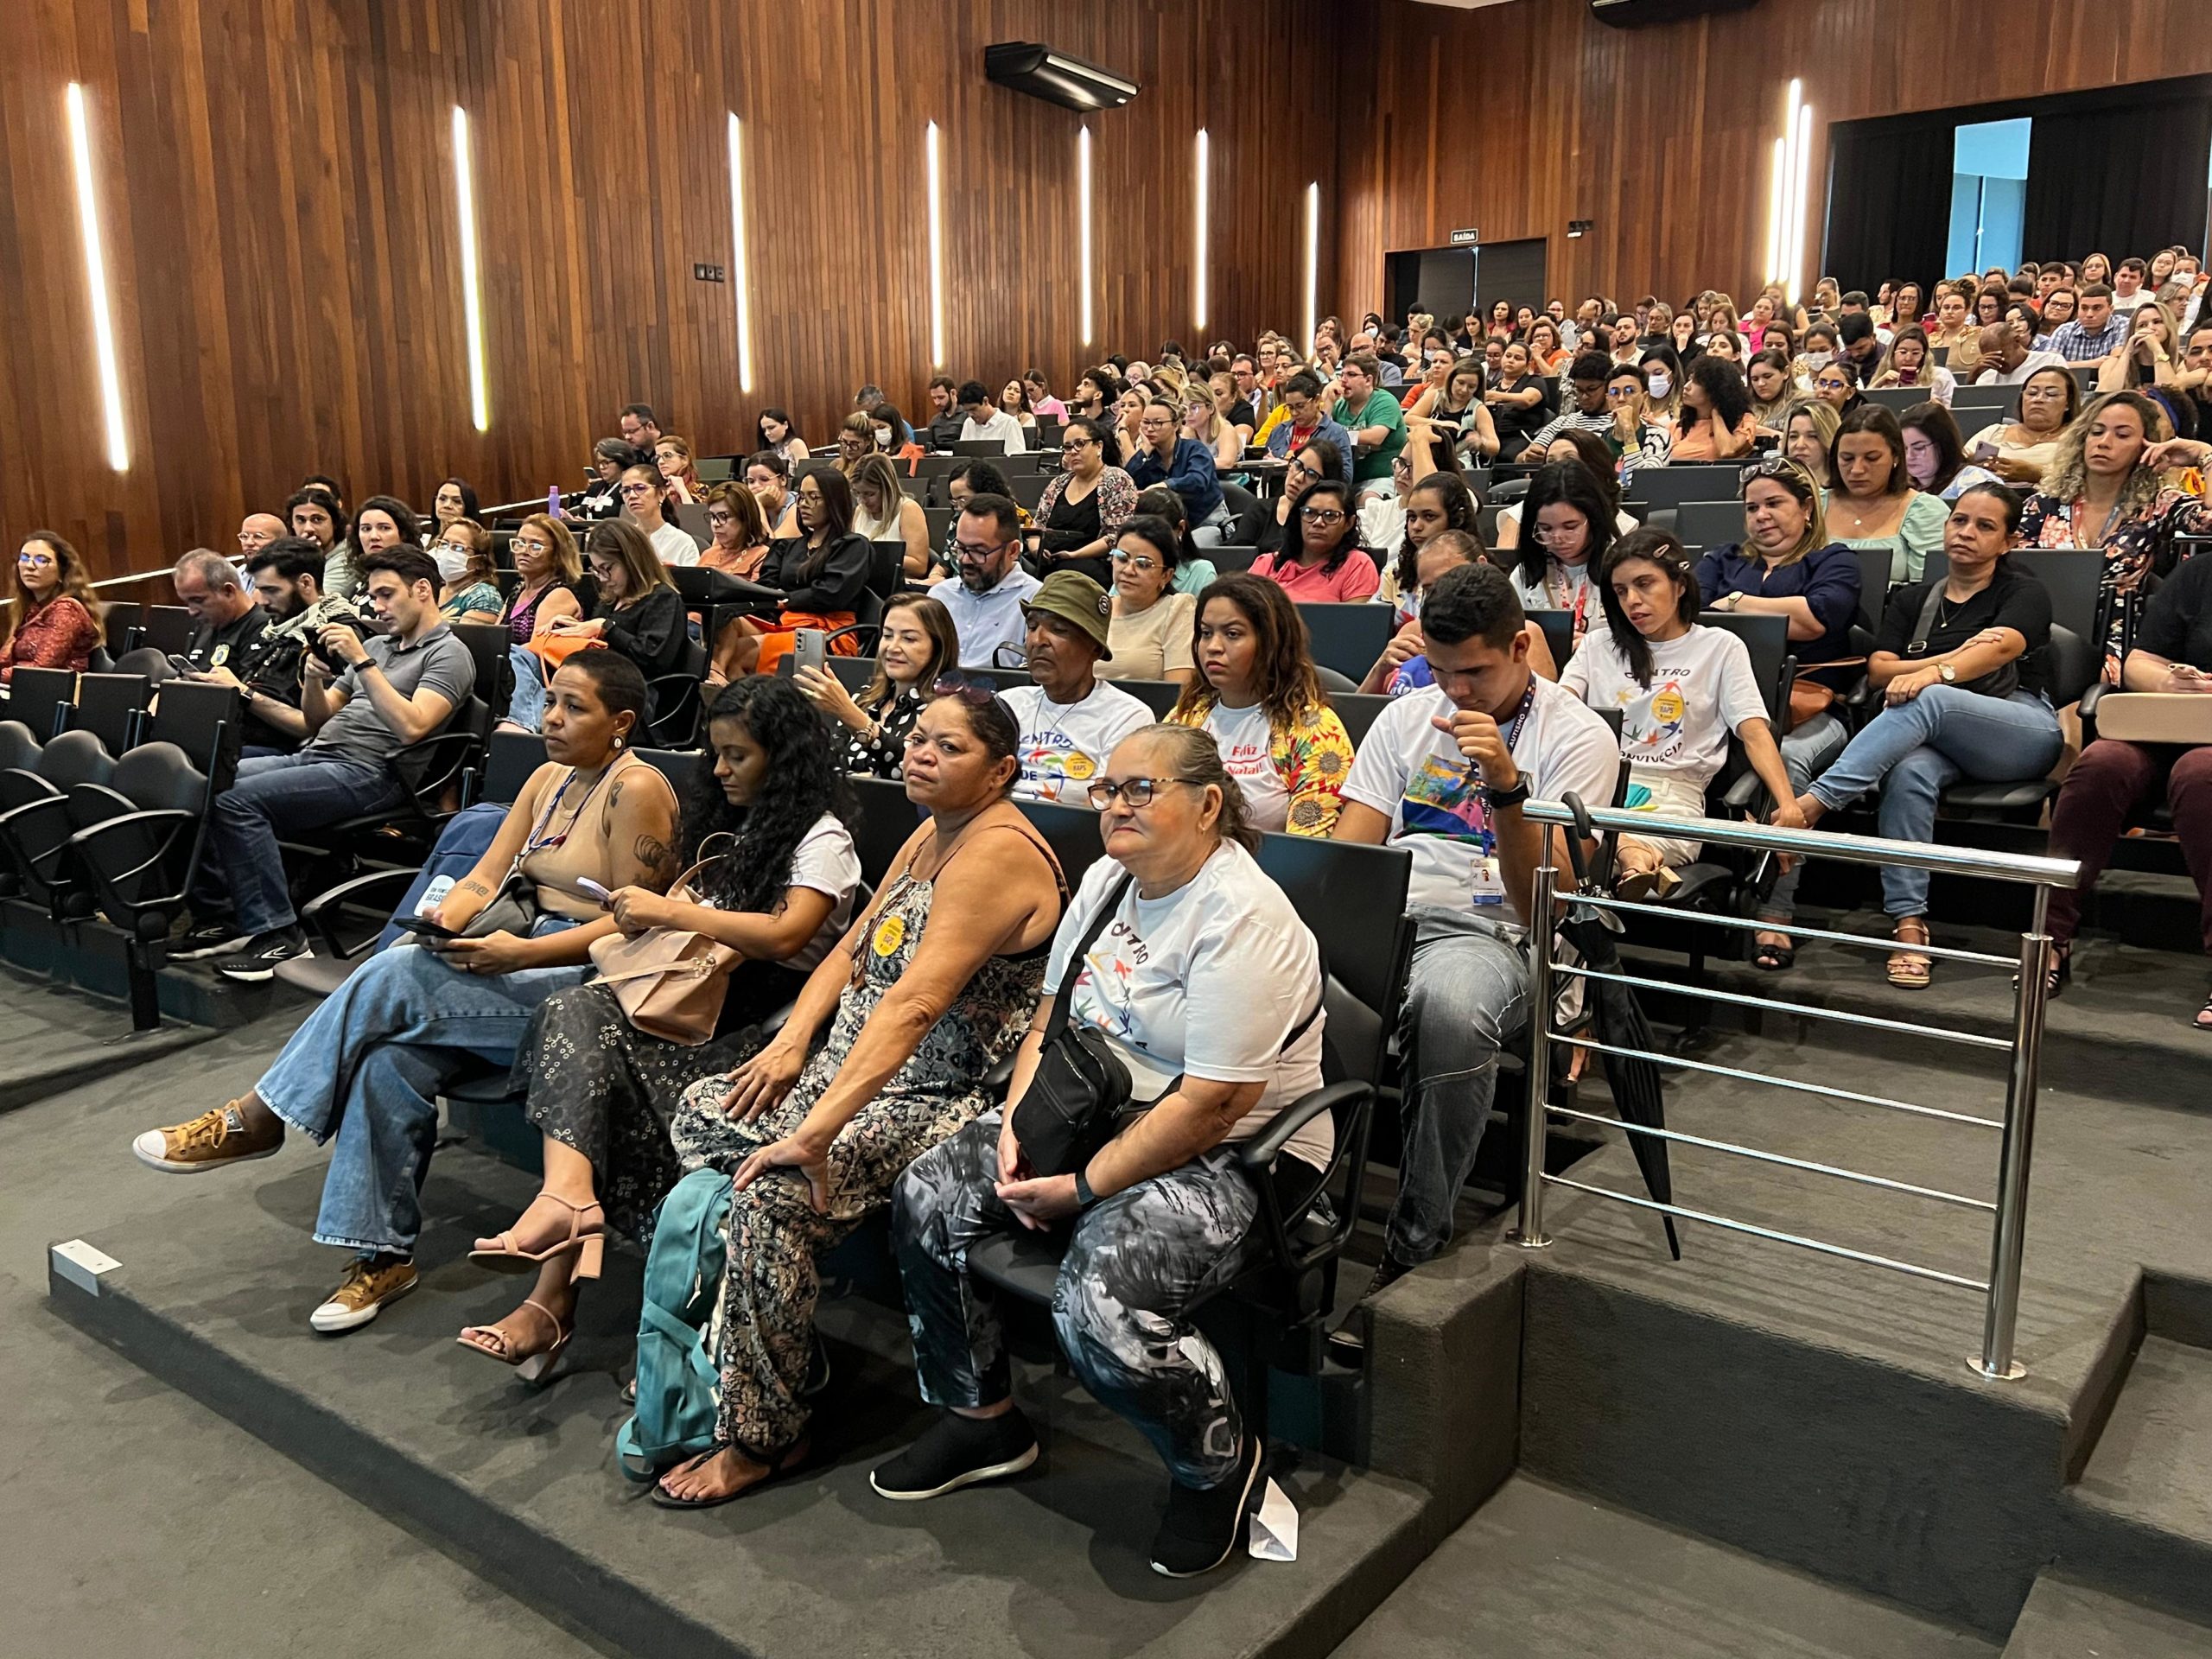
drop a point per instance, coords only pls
(1517, 119)
(277, 193)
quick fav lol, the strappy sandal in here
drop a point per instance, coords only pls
(793, 1460)
(532, 1367)
(584, 1241)
(1908, 970)
(2203, 1020)
(1772, 958)
(2060, 973)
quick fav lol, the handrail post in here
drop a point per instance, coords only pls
(1529, 1234)
(2008, 1237)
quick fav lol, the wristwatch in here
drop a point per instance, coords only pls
(1946, 673)
(1495, 798)
(1084, 1198)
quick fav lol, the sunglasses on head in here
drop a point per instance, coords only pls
(976, 693)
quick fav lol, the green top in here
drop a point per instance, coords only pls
(1382, 410)
(1919, 533)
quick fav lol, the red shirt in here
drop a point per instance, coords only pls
(60, 634)
(1354, 579)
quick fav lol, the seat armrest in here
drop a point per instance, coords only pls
(427, 768)
(2087, 710)
(1257, 1155)
(1000, 1077)
(321, 913)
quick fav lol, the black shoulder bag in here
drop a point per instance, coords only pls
(2000, 682)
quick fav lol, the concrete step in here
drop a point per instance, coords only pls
(2141, 1513)
(55, 1038)
(2064, 1620)
(1541, 1573)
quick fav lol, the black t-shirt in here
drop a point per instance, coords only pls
(2177, 623)
(2013, 599)
(215, 647)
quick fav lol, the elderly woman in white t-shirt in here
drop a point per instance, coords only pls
(1205, 985)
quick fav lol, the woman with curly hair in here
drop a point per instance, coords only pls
(55, 621)
(773, 870)
(1257, 695)
(1322, 561)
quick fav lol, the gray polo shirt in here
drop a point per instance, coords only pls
(357, 732)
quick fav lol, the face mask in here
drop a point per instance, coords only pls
(883, 437)
(452, 563)
(1819, 359)
(1661, 384)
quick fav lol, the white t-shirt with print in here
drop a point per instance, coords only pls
(1702, 688)
(1416, 776)
(1065, 746)
(1246, 745)
(1209, 981)
(826, 861)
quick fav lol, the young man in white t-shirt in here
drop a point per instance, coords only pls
(1443, 774)
(1070, 719)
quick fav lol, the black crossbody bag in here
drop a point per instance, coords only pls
(1078, 1097)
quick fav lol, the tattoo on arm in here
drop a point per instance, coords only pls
(657, 859)
(471, 886)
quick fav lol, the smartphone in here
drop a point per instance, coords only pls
(811, 649)
(428, 929)
(586, 885)
(1984, 451)
(182, 664)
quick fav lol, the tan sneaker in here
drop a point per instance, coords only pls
(369, 1285)
(209, 1141)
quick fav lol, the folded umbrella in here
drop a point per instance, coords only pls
(1619, 1021)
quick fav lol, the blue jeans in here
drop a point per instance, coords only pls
(527, 707)
(368, 1066)
(278, 795)
(1467, 996)
(1806, 754)
(1916, 750)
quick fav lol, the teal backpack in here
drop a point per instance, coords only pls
(678, 1389)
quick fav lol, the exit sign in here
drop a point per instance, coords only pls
(1465, 238)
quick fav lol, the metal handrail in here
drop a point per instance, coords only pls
(2009, 1210)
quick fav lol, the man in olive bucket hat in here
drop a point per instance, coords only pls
(1071, 720)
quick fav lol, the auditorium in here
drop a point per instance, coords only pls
(669, 665)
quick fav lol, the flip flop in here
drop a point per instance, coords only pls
(792, 1461)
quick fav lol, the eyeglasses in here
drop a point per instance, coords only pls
(1142, 563)
(976, 693)
(530, 544)
(1553, 534)
(1320, 515)
(638, 489)
(36, 559)
(1615, 394)
(1137, 791)
(968, 552)
(1076, 445)
(722, 516)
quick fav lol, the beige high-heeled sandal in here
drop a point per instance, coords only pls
(586, 1243)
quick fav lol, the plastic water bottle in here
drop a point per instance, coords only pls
(553, 502)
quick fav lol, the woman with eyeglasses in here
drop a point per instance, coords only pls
(1546, 354)
(772, 872)
(468, 580)
(1322, 561)
(738, 533)
(1574, 444)
(672, 456)
(552, 573)
(1084, 506)
(822, 571)
(603, 498)
(884, 1057)
(1936, 453)
(364, 1073)
(856, 441)
(1209, 995)
(1960, 665)
(1202, 421)
(1306, 466)
(1150, 634)
(2020, 451)
(882, 511)
(638, 614)
(916, 645)
(1193, 571)
(1570, 526)
(1873, 503)
(1836, 384)
(55, 621)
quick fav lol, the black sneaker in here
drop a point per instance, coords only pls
(1201, 1530)
(818, 1369)
(1349, 1340)
(957, 1452)
(210, 939)
(259, 960)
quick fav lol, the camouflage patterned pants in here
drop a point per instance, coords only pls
(1136, 1264)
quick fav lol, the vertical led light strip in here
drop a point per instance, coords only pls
(464, 189)
(1800, 213)
(1312, 264)
(937, 251)
(1199, 236)
(1083, 226)
(1777, 197)
(739, 273)
(88, 219)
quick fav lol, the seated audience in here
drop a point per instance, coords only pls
(1038, 391)
(1662, 386)
(610, 458)
(1571, 523)
(1328, 565)
(986, 594)
(1772, 390)
(257, 530)
(1909, 363)
(552, 578)
(1149, 637)
(365, 1069)
(454, 501)
(1960, 664)
(986, 422)
(1715, 423)
(316, 516)
(1191, 573)
(856, 441)
(2009, 355)
(2106, 490)
(1218, 1021)
(640, 429)
(639, 614)
(1519, 399)
(645, 497)
(227, 622)
(768, 475)
(822, 571)
(1443, 774)
(737, 533)
(468, 580)
(1936, 453)
(770, 870)
(1164, 455)
(1403, 667)
(915, 648)
(672, 456)
(1257, 697)
(776, 433)
(2115, 778)
(1068, 719)
(363, 701)
(1440, 501)
(953, 949)
(882, 511)
(1872, 502)
(1636, 440)
(287, 576)
(1084, 506)
(1680, 689)
(1836, 384)
(1306, 466)
(1375, 419)
(55, 621)
(1450, 417)
(1203, 420)
(1587, 379)
(946, 418)
(1594, 454)
(2097, 330)
(1807, 433)
(1302, 419)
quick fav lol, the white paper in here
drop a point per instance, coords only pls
(1274, 1529)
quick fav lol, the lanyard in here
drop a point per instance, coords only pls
(540, 842)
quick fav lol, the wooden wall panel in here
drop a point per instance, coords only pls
(276, 191)
(1517, 119)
